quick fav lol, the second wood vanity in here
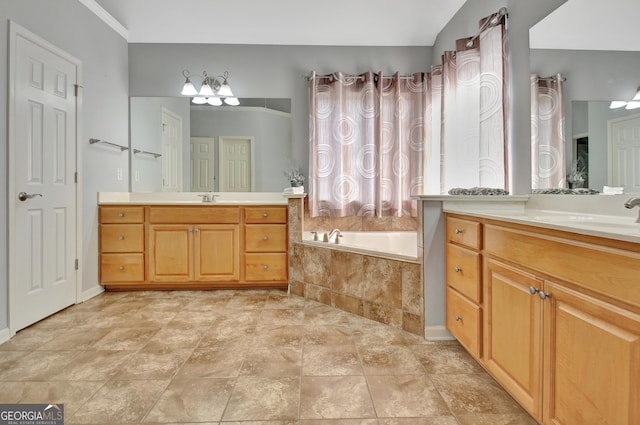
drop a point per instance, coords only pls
(554, 316)
(193, 246)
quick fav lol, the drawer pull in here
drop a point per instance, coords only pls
(458, 231)
(265, 267)
(120, 214)
(457, 269)
(458, 319)
(264, 238)
(120, 238)
(121, 268)
(264, 215)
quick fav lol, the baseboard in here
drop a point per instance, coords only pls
(437, 333)
(90, 293)
(5, 334)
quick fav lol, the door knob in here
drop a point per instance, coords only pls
(23, 196)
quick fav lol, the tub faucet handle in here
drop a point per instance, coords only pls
(325, 238)
(315, 235)
(338, 236)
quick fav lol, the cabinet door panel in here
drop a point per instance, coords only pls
(217, 253)
(170, 253)
(593, 361)
(514, 334)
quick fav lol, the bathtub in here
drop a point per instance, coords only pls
(395, 245)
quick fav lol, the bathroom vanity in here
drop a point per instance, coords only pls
(549, 303)
(163, 241)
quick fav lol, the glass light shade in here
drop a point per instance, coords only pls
(615, 104)
(225, 90)
(188, 89)
(637, 96)
(233, 101)
(214, 101)
(633, 105)
(199, 100)
(205, 90)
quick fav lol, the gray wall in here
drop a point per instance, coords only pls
(72, 27)
(271, 131)
(265, 71)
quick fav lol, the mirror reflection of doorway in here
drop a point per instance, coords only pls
(171, 151)
(203, 176)
(236, 164)
(582, 156)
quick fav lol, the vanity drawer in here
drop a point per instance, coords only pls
(265, 214)
(121, 268)
(119, 214)
(266, 267)
(265, 237)
(464, 232)
(464, 271)
(463, 320)
(121, 238)
(194, 215)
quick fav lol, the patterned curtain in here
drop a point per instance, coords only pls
(548, 168)
(366, 144)
(474, 111)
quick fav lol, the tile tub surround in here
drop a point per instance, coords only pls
(243, 357)
(387, 291)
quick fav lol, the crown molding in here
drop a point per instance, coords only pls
(106, 17)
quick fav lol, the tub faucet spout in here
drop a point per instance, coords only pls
(634, 202)
(334, 232)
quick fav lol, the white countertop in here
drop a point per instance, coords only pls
(192, 198)
(595, 215)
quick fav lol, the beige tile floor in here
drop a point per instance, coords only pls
(243, 358)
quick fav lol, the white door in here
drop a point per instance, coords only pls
(171, 151)
(202, 161)
(42, 188)
(624, 162)
(236, 164)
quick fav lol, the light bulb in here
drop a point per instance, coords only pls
(232, 101)
(188, 89)
(199, 100)
(214, 101)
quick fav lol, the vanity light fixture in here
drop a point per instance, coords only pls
(632, 104)
(213, 90)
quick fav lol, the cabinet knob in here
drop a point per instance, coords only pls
(121, 268)
(195, 229)
(544, 295)
(120, 214)
(265, 267)
(457, 269)
(120, 238)
(458, 231)
(458, 318)
(264, 238)
(264, 215)
(533, 290)
(190, 229)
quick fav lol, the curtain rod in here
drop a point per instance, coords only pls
(490, 23)
(552, 78)
(309, 77)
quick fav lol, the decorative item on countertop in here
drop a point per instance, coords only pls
(294, 190)
(294, 175)
(577, 175)
(477, 191)
(564, 191)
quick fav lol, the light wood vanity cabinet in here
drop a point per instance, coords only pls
(265, 244)
(464, 287)
(195, 246)
(561, 322)
(121, 240)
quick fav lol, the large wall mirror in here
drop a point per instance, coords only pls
(177, 146)
(599, 66)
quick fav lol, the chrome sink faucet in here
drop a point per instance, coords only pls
(208, 197)
(633, 202)
(334, 232)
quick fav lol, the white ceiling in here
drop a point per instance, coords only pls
(590, 25)
(577, 24)
(298, 22)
